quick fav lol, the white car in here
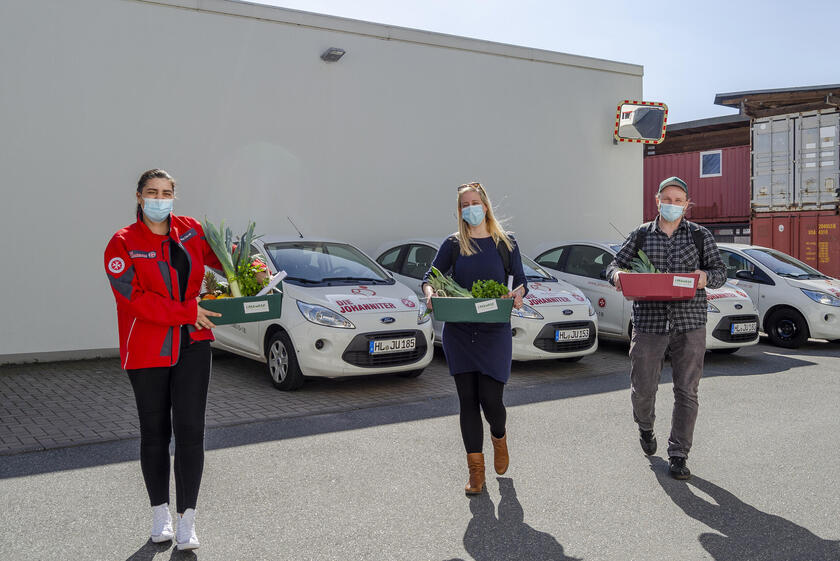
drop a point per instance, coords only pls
(732, 318)
(555, 322)
(342, 315)
(794, 300)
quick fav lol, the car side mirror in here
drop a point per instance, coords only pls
(603, 274)
(641, 121)
(744, 274)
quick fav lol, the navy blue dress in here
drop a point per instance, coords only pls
(478, 347)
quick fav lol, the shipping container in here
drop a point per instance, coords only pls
(718, 183)
(796, 162)
(812, 237)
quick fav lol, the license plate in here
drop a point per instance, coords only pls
(561, 335)
(385, 346)
(742, 328)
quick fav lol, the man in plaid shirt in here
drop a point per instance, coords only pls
(673, 245)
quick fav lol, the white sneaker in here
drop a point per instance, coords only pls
(162, 524)
(185, 536)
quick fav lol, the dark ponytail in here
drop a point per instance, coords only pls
(151, 174)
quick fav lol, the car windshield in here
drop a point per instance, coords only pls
(783, 264)
(535, 272)
(325, 264)
(616, 247)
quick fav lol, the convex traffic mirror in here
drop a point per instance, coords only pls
(641, 121)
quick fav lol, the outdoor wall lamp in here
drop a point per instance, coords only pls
(332, 54)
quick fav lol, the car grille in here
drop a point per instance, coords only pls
(722, 329)
(545, 340)
(357, 352)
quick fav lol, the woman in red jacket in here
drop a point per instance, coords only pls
(156, 267)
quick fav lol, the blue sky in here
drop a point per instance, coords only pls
(690, 50)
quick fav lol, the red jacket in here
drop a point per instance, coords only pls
(145, 285)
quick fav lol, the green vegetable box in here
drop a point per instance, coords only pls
(472, 310)
(245, 309)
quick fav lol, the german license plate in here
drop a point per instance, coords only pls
(743, 328)
(385, 346)
(562, 335)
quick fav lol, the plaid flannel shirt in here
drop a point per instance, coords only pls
(676, 254)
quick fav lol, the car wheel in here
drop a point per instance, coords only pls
(787, 328)
(726, 351)
(282, 362)
(570, 359)
(411, 373)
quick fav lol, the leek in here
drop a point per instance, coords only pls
(232, 258)
(445, 286)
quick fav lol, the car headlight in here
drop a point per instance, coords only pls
(422, 314)
(324, 316)
(526, 312)
(591, 307)
(822, 297)
(712, 308)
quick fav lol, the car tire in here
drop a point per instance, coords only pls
(281, 362)
(570, 359)
(726, 351)
(787, 328)
(411, 373)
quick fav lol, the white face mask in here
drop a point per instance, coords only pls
(473, 214)
(670, 212)
(157, 210)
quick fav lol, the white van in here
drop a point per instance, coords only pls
(794, 300)
(732, 320)
(342, 315)
(555, 322)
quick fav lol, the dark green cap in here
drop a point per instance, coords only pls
(673, 181)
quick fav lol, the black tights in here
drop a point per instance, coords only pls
(176, 398)
(478, 392)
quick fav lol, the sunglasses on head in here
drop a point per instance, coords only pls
(475, 185)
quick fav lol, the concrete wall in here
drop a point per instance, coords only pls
(234, 101)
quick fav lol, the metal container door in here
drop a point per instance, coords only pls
(817, 165)
(772, 157)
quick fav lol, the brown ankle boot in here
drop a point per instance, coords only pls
(475, 462)
(501, 459)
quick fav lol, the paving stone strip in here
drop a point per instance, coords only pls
(58, 404)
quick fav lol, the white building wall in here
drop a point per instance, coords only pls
(234, 101)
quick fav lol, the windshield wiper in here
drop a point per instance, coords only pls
(352, 279)
(538, 278)
(299, 279)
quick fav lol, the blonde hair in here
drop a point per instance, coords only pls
(496, 231)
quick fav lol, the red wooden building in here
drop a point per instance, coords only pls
(713, 157)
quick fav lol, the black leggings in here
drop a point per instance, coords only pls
(478, 392)
(176, 398)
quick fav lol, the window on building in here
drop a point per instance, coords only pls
(710, 164)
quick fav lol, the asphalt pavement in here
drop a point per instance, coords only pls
(385, 482)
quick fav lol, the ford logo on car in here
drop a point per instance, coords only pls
(568, 312)
(387, 320)
(738, 306)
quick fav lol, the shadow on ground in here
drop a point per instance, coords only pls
(754, 361)
(507, 537)
(744, 532)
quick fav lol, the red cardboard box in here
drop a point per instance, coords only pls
(659, 286)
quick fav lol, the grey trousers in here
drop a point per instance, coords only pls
(647, 356)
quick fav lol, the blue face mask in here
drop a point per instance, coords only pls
(670, 213)
(157, 210)
(473, 214)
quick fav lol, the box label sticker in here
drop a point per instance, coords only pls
(684, 282)
(255, 307)
(486, 306)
